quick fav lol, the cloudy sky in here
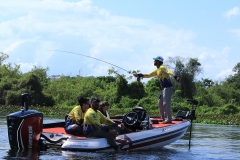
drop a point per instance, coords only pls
(122, 32)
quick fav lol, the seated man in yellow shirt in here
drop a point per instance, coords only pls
(97, 125)
(74, 121)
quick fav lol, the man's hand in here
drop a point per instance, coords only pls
(135, 74)
(121, 126)
(178, 79)
(140, 75)
(74, 126)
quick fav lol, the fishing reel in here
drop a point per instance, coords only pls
(139, 78)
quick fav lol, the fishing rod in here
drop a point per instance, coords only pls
(90, 57)
(129, 72)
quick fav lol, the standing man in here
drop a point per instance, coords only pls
(163, 75)
(74, 121)
(97, 125)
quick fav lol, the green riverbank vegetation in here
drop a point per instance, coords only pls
(219, 101)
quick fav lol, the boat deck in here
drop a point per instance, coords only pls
(157, 124)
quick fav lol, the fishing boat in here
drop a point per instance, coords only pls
(26, 131)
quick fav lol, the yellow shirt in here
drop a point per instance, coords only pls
(94, 120)
(76, 114)
(161, 72)
(163, 75)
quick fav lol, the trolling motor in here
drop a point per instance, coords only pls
(188, 115)
(25, 127)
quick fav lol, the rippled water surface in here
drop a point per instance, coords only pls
(213, 142)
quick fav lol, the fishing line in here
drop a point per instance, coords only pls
(89, 57)
(98, 60)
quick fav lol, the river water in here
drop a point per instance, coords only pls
(210, 142)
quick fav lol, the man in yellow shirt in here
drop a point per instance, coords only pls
(97, 125)
(74, 121)
(163, 74)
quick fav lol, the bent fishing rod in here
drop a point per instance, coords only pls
(90, 57)
(129, 72)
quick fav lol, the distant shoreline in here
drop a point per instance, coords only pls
(61, 112)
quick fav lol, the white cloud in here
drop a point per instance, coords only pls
(12, 46)
(26, 67)
(225, 52)
(232, 12)
(33, 27)
(41, 56)
(224, 74)
(212, 63)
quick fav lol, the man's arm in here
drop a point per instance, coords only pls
(106, 120)
(154, 73)
(78, 116)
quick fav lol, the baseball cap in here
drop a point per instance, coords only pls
(95, 99)
(159, 58)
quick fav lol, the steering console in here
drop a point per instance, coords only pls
(130, 118)
(137, 119)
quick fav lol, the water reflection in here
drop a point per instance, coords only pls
(208, 142)
(144, 154)
(89, 155)
(25, 154)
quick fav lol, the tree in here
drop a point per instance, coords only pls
(236, 68)
(235, 79)
(121, 83)
(187, 71)
(207, 82)
(3, 57)
(136, 90)
(152, 87)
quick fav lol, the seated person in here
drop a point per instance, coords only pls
(97, 125)
(74, 121)
(103, 108)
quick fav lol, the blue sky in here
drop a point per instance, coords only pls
(122, 32)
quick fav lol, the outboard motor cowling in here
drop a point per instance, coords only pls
(24, 127)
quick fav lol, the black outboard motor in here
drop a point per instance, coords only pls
(24, 127)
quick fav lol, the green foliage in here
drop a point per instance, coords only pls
(148, 103)
(136, 90)
(187, 71)
(126, 102)
(207, 82)
(184, 106)
(152, 87)
(229, 109)
(13, 83)
(210, 100)
(215, 98)
(236, 68)
(208, 110)
(3, 57)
